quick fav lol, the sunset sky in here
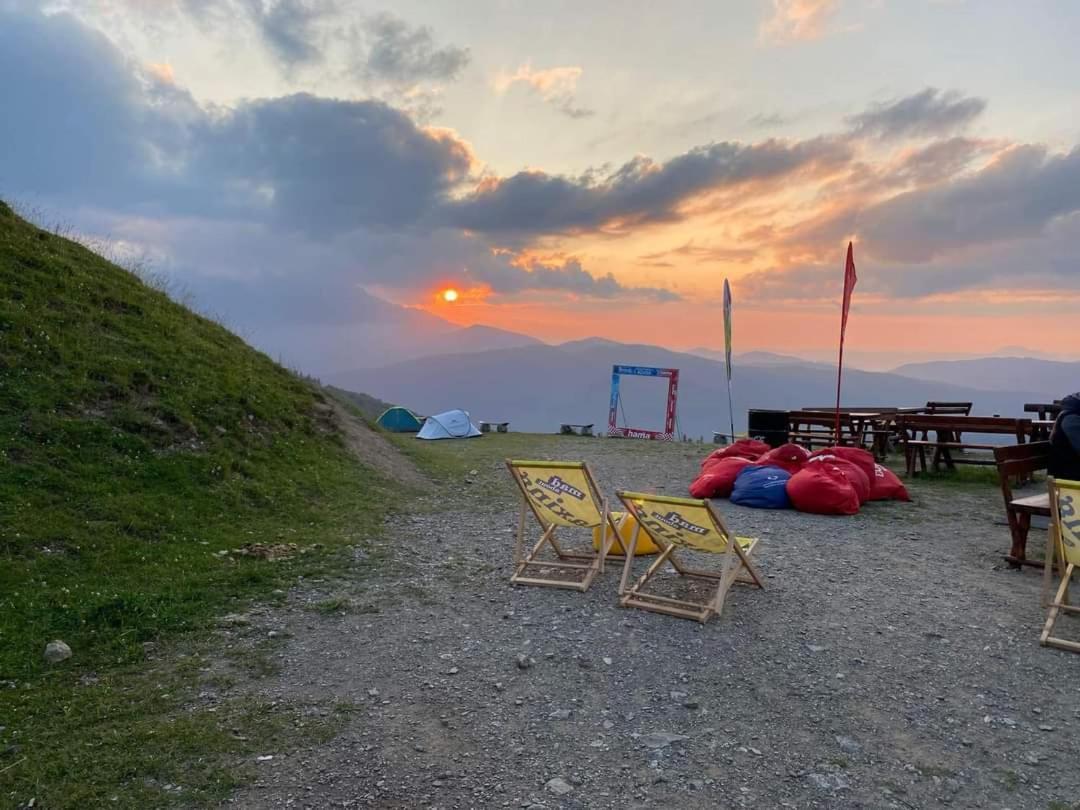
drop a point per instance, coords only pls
(571, 169)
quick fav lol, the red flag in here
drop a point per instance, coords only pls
(849, 287)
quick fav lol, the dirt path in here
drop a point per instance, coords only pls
(891, 662)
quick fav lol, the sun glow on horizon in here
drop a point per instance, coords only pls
(450, 295)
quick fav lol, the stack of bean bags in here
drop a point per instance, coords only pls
(833, 481)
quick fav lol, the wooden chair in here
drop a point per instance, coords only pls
(676, 524)
(1017, 463)
(1064, 544)
(560, 494)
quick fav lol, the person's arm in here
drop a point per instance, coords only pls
(1070, 426)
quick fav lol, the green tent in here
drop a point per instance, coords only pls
(400, 420)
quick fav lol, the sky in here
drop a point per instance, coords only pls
(572, 169)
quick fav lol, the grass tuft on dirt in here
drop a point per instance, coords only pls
(139, 444)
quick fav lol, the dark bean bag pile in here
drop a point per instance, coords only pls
(790, 457)
(750, 449)
(718, 477)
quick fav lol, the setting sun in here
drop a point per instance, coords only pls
(450, 296)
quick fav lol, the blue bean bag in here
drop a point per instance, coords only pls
(762, 488)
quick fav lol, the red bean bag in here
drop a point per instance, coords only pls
(823, 488)
(718, 478)
(856, 477)
(885, 486)
(743, 448)
(790, 457)
(856, 455)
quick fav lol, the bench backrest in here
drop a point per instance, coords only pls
(850, 409)
(1018, 462)
(818, 418)
(1022, 459)
(949, 408)
(965, 424)
(1045, 410)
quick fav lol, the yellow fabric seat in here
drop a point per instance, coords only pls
(684, 524)
(626, 523)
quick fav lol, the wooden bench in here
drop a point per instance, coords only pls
(949, 431)
(500, 427)
(948, 409)
(1018, 462)
(1045, 411)
(579, 430)
(813, 429)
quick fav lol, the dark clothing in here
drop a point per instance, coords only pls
(1065, 441)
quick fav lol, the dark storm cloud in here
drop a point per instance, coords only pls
(926, 113)
(288, 27)
(327, 165)
(84, 123)
(640, 191)
(402, 53)
(937, 161)
(381, 47)
(300, 187)
(1018, 195)
(75, 119)
(1050, 261)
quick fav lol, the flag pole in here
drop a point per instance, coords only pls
(727, 356)
(731, 413)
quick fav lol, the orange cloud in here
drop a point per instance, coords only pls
(557, 86)
(797, 20)
(162, 72)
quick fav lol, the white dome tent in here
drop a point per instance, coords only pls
(454, 424)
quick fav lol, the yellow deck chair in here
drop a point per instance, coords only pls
(560, 495)
(1065, 545)
(690, 524)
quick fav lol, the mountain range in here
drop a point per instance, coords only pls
(375, 333)
(1051, 378)
(537, 387)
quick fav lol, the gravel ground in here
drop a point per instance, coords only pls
(892, 661)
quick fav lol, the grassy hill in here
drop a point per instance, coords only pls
(371, 407)
(139, 443)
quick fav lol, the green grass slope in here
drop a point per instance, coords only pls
(137, 440)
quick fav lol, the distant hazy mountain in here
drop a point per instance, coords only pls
(539, 387)
(754, 358)
(1050, 378)
(377, 333)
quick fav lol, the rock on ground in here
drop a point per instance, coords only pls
(57, 651)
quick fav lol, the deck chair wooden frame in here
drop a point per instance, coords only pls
(1064, 543)
(717, 538)
(552, 513)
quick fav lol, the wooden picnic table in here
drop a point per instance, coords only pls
(818, 428)
(949, 432)
(1040, 429)
(1046, 411)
